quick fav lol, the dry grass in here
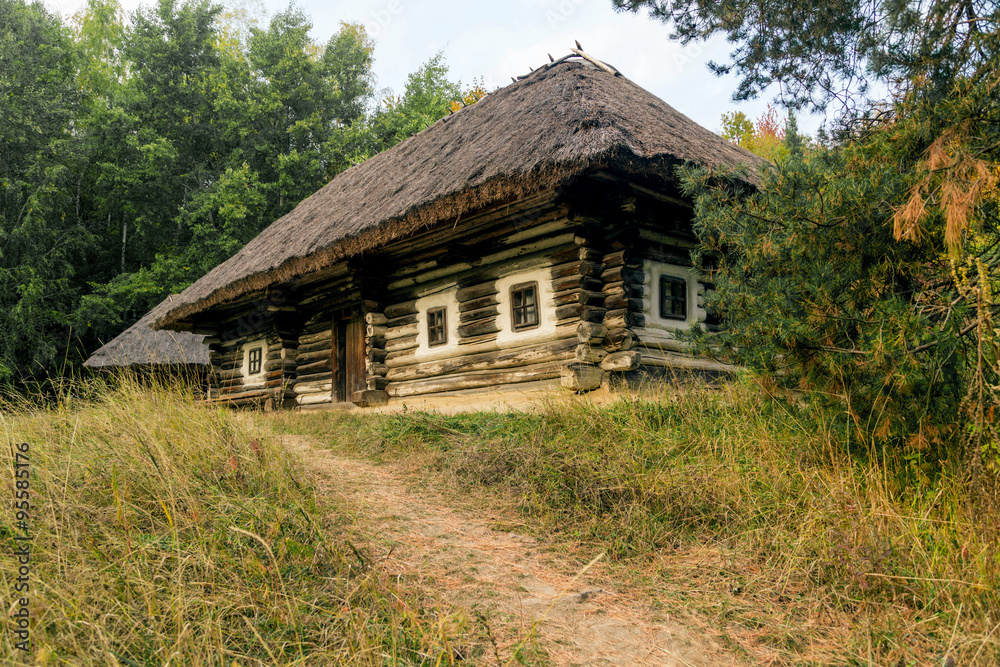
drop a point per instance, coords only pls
(761, 518)
(167, 533)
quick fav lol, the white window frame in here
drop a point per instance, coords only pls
(652, 297)
(249, 378)
(546, 329)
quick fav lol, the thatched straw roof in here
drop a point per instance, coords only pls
(139, 345)
(559, 122)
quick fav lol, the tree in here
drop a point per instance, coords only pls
(347, 62)
(793, 140)
(814, 290)
(42, 240)
(867, 268)
(819, 53)
(428, 97)
(99, 32)
(765, 137)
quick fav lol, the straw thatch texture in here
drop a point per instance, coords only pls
(555, 124)
(139, 345)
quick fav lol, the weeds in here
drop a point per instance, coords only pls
(766, 516)
(164, 532)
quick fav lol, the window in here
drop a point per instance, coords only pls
(673, 298)
(253, 360)
(524, 306)
(437, 327)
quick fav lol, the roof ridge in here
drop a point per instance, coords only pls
(578, 52)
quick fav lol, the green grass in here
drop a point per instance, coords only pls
(168, 533)
(760, 518)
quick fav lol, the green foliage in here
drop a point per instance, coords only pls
(814, 289)
(831, 52)
(737, 128)
(428, 97)
(141, 150)
(347, 60)
(794, 142)
(41, 237)
(765, 137)
(866, 269)
(99, 31)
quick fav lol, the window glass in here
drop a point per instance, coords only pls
(254, 360)
(673, 298)
(524, 306)
(437, 329)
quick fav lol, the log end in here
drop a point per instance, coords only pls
(622, 361)
(581, 377)
(370, 398)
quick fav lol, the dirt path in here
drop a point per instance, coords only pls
(581, 620)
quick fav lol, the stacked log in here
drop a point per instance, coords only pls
(376, 327)
(585, 308)
(277, 369)
(314, 371)
(510, 250)
(478, 313)
(659, 358)
(400, 338)
(623, 291)
(227, 368)
(280, 363)
(478, 379)
(483, 361)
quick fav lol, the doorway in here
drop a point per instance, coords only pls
(348, 357)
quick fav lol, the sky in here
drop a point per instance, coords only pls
(490, 42)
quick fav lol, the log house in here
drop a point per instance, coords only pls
(537, 237)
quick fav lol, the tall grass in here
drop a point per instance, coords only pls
(168, 533)
(797, 543)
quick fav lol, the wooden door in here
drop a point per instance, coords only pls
(348, 357)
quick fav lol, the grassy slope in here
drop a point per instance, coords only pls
(166, 533)
(731, 506)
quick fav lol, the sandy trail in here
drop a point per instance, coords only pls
(512, 579)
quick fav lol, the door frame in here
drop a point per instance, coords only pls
(348, 356)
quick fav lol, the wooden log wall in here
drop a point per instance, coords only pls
(314, 373)
(598, 292)
(226, 350)
(376, 326)
(657, 345)
(549, 243)
(478, 360)
(623, 298)
(591, 249)
(588, 305)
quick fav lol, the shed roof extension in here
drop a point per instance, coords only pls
(140, 345)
